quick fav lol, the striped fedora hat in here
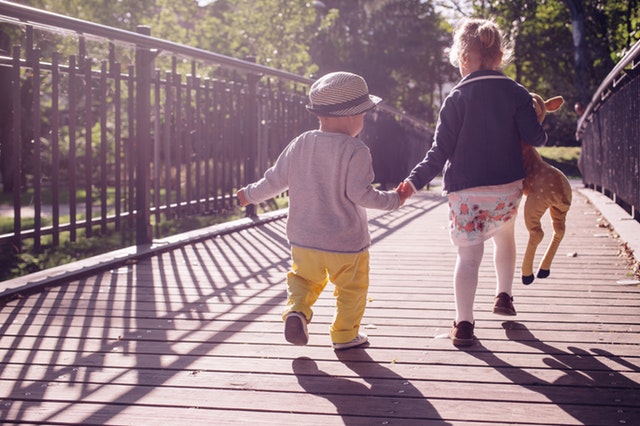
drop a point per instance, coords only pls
(340, 94)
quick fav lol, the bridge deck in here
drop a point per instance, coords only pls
(193, 336)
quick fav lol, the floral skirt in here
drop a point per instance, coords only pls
(476, 214)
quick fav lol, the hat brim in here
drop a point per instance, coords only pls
(367, 104)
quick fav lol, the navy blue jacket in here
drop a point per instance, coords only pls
(477, 138)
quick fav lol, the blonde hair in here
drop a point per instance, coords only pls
(482, 39)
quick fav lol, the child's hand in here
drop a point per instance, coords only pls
(242, 200)
(404, 190)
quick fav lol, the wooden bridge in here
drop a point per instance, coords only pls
(189, 332)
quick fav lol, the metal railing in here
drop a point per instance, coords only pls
(609, 132)
(110, 129)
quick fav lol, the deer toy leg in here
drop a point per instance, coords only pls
(558, 217)
(533, 211)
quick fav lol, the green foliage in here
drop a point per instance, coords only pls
(189, 223)
(46, 196)
(6, 224)
(8, 262)
(562, 154)
(544, 52)
(564, 158)
(275, 33)
(177, 21)
(119, 14)
(397, 45)
(14, 263)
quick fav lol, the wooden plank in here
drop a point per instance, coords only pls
(384, 379)
(169, 405)
(195, 333)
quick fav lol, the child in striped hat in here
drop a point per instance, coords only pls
(328, 173)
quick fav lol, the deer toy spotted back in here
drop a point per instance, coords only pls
(546, 188)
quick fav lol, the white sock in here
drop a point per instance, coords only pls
(504, 258)
(465, 280)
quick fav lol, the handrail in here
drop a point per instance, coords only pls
(36, 17)
(609, 134)
(209, 130)
(610, 81)
(41, 18)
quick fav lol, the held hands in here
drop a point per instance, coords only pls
(405, 191)
(242, 200)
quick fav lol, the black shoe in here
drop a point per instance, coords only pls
(462, 333)
(504, 305)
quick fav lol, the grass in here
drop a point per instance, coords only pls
(564, 158)
(46, 196)
(15, 263)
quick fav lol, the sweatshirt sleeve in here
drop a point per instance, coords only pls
(530, 130)
(444, 143)
(274, 182)
(359, 187)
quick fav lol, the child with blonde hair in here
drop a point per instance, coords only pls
(477, 144)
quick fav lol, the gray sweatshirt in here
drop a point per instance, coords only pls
(329, 178)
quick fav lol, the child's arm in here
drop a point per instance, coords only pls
(405, 190)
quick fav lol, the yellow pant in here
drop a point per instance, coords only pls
(349, 272)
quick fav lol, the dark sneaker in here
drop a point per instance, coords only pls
(462, 333)
(504, 305)
(295, 328)
(360, 339)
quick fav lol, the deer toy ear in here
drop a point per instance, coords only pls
(539, 106)
(554, 104)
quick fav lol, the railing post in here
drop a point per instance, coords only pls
(144, 68)
(253, 148)
(15, 138)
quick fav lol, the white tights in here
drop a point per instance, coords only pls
(465, 276)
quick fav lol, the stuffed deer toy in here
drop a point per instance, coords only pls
(546, 188)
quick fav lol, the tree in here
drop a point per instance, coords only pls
(276, 33)
(564, 47)
(561, 46)
(119, 14)
(178, 21)
(579, 47)
(396, 45)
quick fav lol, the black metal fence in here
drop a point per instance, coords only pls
(101, 127)
(609, 132)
